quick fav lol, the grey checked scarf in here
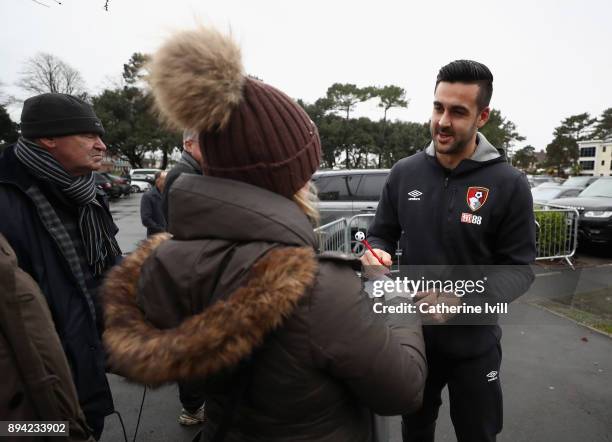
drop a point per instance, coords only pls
(95, 224)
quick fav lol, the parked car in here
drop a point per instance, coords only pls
(544, 193)
(344, 193)
(140, 186)
(111, 189)
(147, 175)
(536, 180)
(122, 183)
(546, 184)
(595, 207)
(580, 181)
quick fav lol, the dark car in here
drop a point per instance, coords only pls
(345, 193)
(595, 207)
(122, 183)
(111, 189)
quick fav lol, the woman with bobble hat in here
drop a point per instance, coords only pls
(284, 342)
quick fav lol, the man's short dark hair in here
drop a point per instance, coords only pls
(470, 72)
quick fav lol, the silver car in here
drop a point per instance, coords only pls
(543, 194)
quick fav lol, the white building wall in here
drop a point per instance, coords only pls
(602, 158)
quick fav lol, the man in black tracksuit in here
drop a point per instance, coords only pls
(459, 202)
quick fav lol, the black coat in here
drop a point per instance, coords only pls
(39, 255)
(151, 213)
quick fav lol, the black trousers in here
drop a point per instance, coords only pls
(475, 395)
(96, 423)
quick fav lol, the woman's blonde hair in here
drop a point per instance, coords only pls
(306, 198)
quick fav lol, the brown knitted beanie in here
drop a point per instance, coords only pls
(249, 131)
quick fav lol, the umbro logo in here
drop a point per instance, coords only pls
(492, 376)
(415, 195)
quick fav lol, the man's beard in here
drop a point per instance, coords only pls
(457, 146)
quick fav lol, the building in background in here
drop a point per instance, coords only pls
(154, 159)
(595, 157)
(120, 165)
(114, 164)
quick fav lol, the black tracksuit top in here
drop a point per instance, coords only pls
(426, 208)
(422, 206)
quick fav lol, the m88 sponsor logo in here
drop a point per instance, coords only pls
(469, 218)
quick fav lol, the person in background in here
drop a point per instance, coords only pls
(151, 213)
(190, 162)
(62, 231)
(190, 395)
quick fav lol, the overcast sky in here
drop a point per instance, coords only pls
(550, 59)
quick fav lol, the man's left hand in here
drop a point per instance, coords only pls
(432, 299)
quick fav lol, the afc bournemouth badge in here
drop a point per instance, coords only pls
(476, 197)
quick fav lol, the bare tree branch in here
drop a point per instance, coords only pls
(40, 3)
(59, 3)
(48, 73)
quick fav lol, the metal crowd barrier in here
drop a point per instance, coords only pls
(338, 235)
(556, 233)
(332, 236)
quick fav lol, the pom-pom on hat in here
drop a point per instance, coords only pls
(248, 130)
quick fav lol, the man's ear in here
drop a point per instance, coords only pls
(188, 145)
(483, 117)
(47, 143)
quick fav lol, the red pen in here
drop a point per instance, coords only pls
(359, 236)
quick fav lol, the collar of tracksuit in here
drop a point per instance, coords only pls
(484, 150)
(484, 155)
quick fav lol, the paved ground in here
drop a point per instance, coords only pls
(126, 213)
(556, 375)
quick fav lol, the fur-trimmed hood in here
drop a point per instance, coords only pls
(215, 339)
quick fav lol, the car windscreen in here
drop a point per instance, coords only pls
(542, 179)
(545, 193)
(601, 187)
(579, 181)
(569, 193)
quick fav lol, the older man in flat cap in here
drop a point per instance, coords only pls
(61, 229)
